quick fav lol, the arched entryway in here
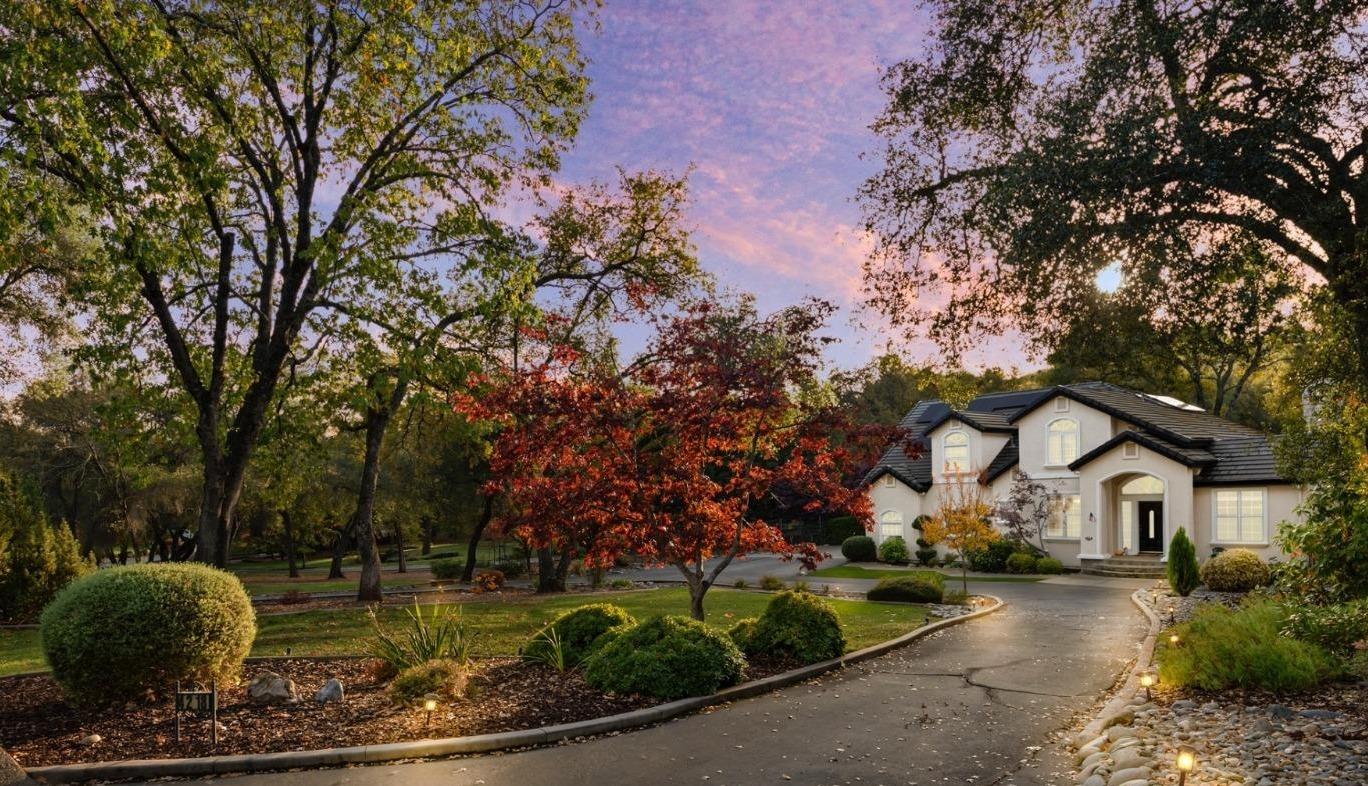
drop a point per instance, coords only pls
(1138, 511)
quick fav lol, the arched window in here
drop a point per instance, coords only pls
(1063, 442)
(890, 524)
(955, 453)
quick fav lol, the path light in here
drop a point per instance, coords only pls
(1187, 762)
(1147, 680)
(430, 705)
(1173, 639)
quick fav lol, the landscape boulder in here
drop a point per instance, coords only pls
(331, 691)
(271, 688)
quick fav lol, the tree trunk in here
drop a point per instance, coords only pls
(339, 551)
(427, 524)
(546, 572)
(486, 514)
(287, 524)
(399, 540)
(377, 421)
(698, 587)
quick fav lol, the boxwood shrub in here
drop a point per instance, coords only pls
(860, 548)
(1235, 570)
(1021, 563)
(993, 559)
(926, 555)
(119, 632)
(447, 569)
(578, 632)
(445, 678)
(666, 657)
(741, 633)
(1049, 566)
(893, 551)
(918, 587)
(798, 625)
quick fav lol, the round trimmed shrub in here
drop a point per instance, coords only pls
(859, 548)
(799, 625)
(446, 678)
(666, 657)
(116, 633)
(1049, 566)
(447, 569)
(741, 633)
(578, 630)
(1235, 570)
(926, 556)
(993, 558)
(1021, 563)
(917, 588)
(893, 551)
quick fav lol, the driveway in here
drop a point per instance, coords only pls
(974, 704)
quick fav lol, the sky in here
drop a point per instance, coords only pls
(770, 104)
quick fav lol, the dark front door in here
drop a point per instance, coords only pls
(1151, 516)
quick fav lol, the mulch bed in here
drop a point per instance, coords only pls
(39, 728)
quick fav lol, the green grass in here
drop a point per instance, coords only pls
(277, 586)
(857, 572)
(503, 625)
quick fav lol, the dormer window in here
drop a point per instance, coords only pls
(1062, 445)
(955, 453)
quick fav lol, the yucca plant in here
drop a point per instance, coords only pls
(439, 635)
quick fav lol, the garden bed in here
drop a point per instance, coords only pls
(39, 728)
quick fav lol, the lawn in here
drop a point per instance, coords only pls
(503, 625)
(857, 572)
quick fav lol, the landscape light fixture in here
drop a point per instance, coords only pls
(1147, 680)
(1173, 640)
(1187, 762)
(430, 705)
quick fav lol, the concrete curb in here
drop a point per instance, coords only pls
(147, 769)
(1121, 700)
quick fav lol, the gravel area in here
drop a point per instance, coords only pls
(1172, 608)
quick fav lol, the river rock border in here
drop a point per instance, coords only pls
(147, 769)
(1109, 751)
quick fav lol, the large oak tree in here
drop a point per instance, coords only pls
(1035, 143)
(248, 161)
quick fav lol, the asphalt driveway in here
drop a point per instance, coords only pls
(974, 704)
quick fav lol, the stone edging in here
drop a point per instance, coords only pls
(1121, 700)
(482, 743)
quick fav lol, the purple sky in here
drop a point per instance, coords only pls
(771, 104)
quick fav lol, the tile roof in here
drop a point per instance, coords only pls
(1227, 453)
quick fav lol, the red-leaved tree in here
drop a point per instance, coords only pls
(673, 457)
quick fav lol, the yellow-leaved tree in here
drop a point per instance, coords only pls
(963, 522)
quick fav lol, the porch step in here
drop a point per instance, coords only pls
(1131, 566)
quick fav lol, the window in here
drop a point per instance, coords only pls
(955, 453)
(1145, 484)
(1066, 520)
(1062, 447)
(888, 480)
(890, 524)
(1240, 516)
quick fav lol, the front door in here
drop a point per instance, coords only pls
(1151, 525)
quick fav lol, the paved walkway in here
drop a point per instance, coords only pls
(974, 704)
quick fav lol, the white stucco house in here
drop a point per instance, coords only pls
(1123, 469)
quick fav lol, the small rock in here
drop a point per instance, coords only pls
(331, 691)
(1094, 780)
(1123, 777)
(1280, 712)
(1124, 718)
(1184, 705)
(1130, 758)
(1321, 714)
(271, 688)
(93, 739)
(1120, 733)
